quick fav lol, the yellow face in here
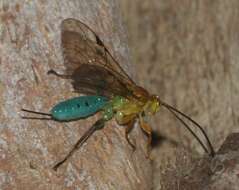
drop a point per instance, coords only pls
(152, 105)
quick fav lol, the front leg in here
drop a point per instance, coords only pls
(148, 130)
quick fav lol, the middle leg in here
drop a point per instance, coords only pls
(53, 72)
(128, 129)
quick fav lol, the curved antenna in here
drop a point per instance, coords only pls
(36, 112)
(174, 111)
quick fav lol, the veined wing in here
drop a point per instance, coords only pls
(89, 63)
(94, 79)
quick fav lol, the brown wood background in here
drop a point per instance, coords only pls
(29, 47)
(188, 53)
(185, 51)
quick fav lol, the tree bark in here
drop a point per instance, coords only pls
(30, 46)
(187, 52)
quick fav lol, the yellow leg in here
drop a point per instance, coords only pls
(128, 128)
(148, 130)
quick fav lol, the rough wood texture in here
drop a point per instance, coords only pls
(187, 52)
(219, 173)
(29, 47)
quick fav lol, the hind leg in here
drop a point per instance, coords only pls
(53, 72)
(97, 126)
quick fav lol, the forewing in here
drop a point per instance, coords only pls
(90, 64)
(94, 79)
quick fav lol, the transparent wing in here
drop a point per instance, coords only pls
(89, 63)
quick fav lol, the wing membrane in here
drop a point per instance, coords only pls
(94, 79)
(89, 63)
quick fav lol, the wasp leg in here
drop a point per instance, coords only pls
(148, 130)
(128, 129)
(97, 126)
(53, 72)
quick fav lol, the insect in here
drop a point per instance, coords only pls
(108, 89)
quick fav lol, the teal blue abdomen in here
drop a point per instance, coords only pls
(77, 108)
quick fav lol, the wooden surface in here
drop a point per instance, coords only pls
(187, 53)
(220, 172)
(29, 47)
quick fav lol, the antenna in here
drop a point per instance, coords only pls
(174, 111)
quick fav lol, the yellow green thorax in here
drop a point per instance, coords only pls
(125, 110)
